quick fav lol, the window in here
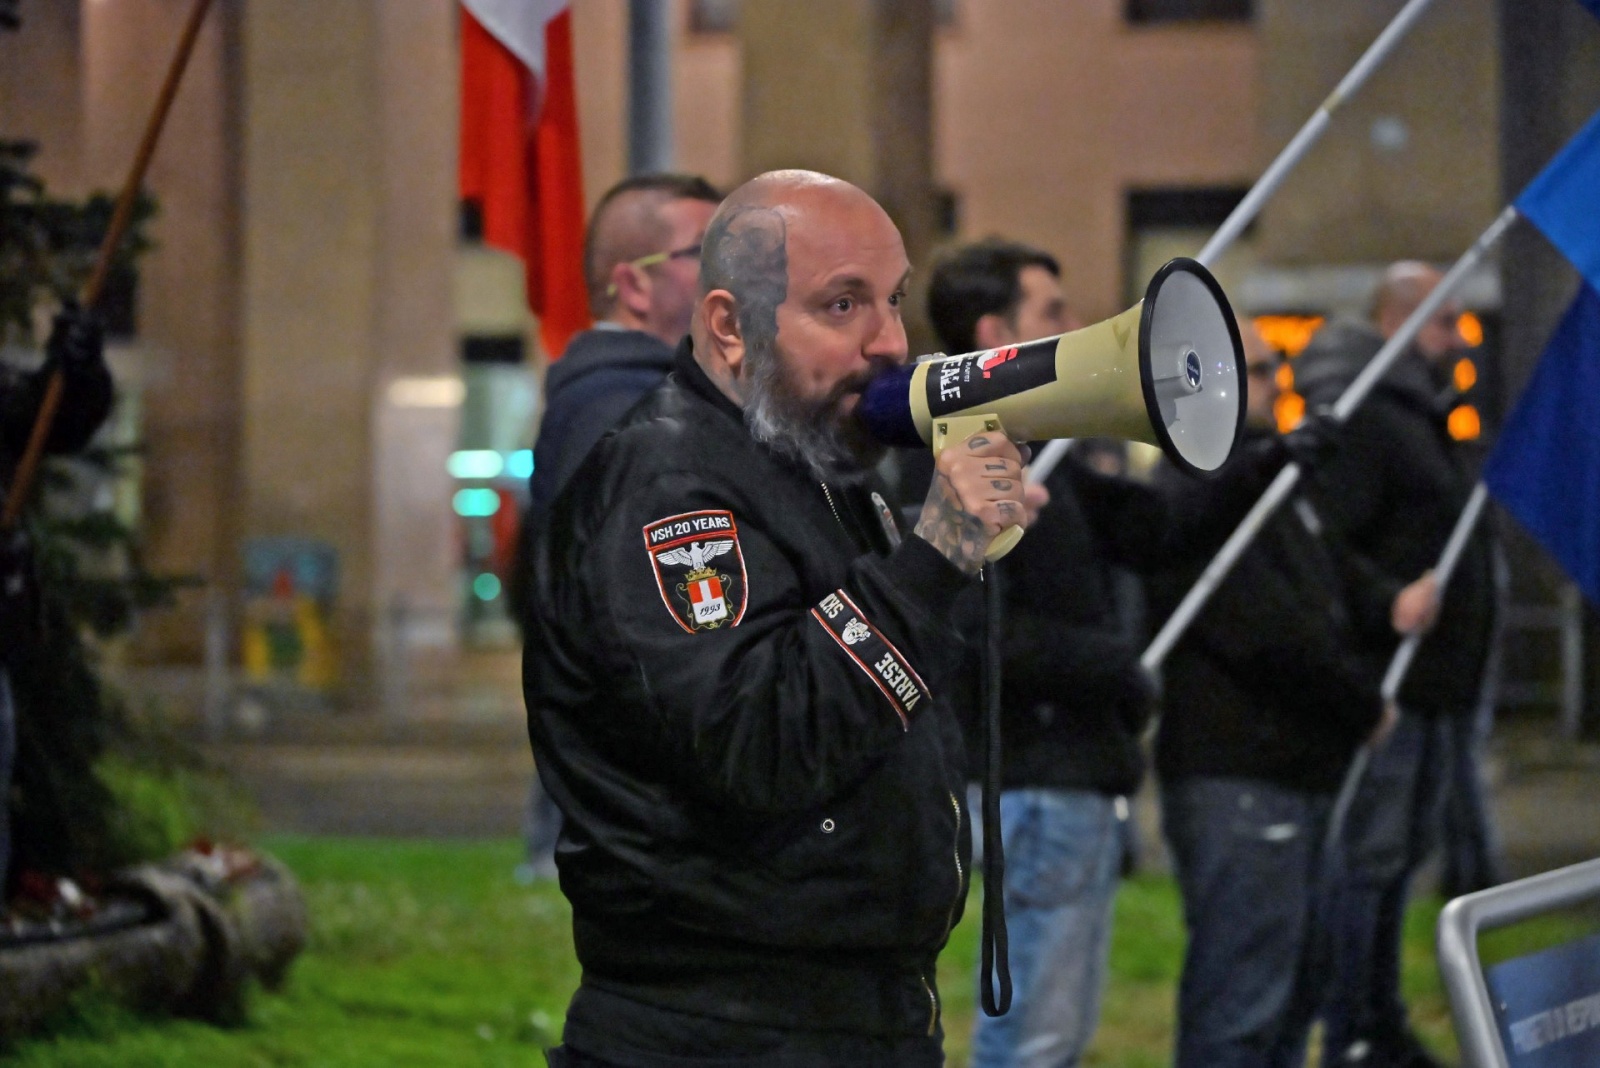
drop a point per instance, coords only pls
(722, 16)
(1152, 11)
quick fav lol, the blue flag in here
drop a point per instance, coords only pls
(1564, 201)
(1546, 468)
(1593, 6)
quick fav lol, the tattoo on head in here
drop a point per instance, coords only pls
(746, 253)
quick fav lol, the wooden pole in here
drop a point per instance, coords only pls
(28, 466)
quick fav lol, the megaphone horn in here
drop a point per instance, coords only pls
(1170, 371)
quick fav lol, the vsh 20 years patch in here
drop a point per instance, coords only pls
(699, 568)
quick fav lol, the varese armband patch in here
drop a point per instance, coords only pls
(894, 676)
(699, 568)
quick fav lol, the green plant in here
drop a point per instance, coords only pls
(91, 577)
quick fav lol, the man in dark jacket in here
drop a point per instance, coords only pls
(1393, 494)
(642, 264)
(1267, 696)
(740, 673)
(1073, 699)
(76, 350)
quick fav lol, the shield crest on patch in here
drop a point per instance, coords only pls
(699, 568)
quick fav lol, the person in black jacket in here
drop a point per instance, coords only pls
(741, 675)
(75, 348)
(1073, 699)
(1393, 494)
(1266, 698)
(642, 265)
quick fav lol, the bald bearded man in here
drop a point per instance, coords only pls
(740, 672)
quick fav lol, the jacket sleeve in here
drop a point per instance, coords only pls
(1147, 527)
(586, 426)
(792, 697)
(1103, 667)
(1350, 495)
(1278, 638)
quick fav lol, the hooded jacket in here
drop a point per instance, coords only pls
(1392, 492)
(602, 374)
(741, 690)
(1073, 697)
(1269, 682)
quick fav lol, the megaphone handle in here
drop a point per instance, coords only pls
(1003, 543)
(949, 430)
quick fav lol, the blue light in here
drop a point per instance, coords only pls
(486, 586)
(477, 502)
(475, 463)
(520, 464)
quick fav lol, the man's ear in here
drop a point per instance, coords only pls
(719, 317)
(993, 331)
(631, 292)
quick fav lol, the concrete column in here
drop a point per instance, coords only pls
(414, 535)
(846, 87)
(349, 245)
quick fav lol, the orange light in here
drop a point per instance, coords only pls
(1288, 409)
(1466, 374)
(1470, 327)
(1464, 424)
(1289, 334)
(1285, 377)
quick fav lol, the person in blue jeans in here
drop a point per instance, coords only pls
(1073, 700)
(1267, 697)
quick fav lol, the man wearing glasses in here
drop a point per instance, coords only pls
(641, 262)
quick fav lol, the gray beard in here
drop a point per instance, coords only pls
(803, 432)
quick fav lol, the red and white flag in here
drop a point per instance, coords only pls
(519, 151)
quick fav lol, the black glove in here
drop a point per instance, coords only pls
(1314, 442)
(77, 343)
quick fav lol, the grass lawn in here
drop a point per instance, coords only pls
(426, 953)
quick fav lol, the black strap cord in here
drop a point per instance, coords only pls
(994, 947)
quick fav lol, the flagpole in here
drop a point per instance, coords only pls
(1246, 210)
(1287, 478)
(1301, 143)
(1401, 663)
(28, 465)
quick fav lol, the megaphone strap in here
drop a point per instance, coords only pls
(994, 948)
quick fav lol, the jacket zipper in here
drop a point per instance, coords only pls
(950, 918)
(834, 508)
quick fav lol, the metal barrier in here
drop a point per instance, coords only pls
(1477, 1023)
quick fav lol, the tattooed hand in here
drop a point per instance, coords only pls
(977, 492)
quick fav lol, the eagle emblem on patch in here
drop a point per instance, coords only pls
(699, 568)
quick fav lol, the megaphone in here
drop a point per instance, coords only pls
(1169, 371)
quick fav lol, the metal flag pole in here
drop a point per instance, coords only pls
(1284, 483)
(28, 465)
(1297, 148)
(1401, 662)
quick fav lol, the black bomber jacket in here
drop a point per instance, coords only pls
(740, 687)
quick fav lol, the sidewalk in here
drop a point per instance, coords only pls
(454, 761)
